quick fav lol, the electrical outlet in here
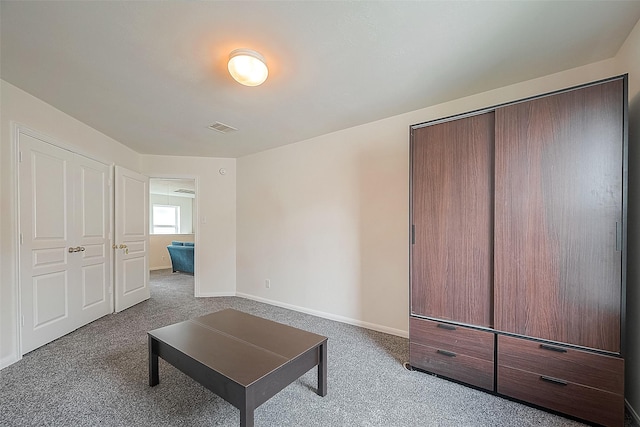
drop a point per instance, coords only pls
(267, 283)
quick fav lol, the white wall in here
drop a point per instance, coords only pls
(186, 210)
(158, 254)
(326, 220)
(215, 204)
(629, 61)
(20, 107)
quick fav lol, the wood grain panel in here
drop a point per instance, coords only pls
(558, 196)
(458, 339)
(452, 187)
(460, 367)
(588, 403)
(580, 367)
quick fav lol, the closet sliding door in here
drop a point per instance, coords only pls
(558, 217)
(452, 216)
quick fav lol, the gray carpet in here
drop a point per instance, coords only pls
(98, 375)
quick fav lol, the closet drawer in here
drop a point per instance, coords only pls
(457, 339)
(588, 403)
(460, 367)
(575, 366)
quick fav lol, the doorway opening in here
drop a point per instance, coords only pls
(172, 225)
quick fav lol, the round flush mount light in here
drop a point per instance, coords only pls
(247, 67)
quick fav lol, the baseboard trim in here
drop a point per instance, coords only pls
(8, 360)
(633, 413)
(160, 268)
(330, 316)
(215, 294)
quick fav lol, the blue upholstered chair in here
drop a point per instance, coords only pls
(181, 254)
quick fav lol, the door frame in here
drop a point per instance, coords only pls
(196, 220)
(18, 129)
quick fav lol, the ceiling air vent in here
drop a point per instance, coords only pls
(182, 190)
(221, 127)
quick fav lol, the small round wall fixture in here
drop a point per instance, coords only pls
(222, 171)
(248, 67)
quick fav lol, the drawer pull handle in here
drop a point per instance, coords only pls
(552, 348)
(553, 380)
(447, 327)
(446, 353)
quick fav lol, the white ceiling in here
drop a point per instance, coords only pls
(172, 187)
(152, 75)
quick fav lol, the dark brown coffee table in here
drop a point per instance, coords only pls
(242, 358)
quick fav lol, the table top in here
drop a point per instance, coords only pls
(240, 346)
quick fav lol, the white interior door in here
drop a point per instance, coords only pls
(93, 226)
(131, 243)
(64, 233)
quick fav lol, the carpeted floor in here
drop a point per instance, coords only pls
(98, 375)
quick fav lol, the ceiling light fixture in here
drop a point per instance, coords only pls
(248, 67)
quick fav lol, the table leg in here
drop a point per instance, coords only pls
(322, 370)
(246, 416)
(154, 378)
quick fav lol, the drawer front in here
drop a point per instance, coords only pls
(576, 366)
(458, 339)
(459, 367)
(588, 403)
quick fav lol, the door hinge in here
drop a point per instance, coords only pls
(413, 234)
(20, 156)
(21, 239)
(22, 321)
(618, 236)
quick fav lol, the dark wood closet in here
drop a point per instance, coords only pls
(517, 251)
